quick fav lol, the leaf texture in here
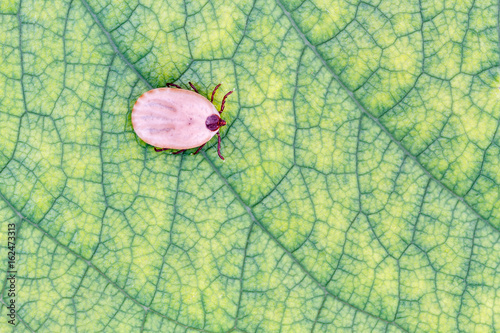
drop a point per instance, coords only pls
(360, 191)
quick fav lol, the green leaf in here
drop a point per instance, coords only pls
(360, 191)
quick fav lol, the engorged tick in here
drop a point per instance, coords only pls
(175, 118)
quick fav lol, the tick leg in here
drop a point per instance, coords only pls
(199, 148)
(218, 146)
(213, 92)
(161, 149)
(194, 88)
(178, 152)
(173, 85)
(224, 101)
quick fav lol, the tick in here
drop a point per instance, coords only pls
(176, 118)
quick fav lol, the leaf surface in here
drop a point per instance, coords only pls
(360, 191)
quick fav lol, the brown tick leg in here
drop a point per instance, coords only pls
(178, 152)
(199, 148)
(161, 149)
(194, 88)
(173, 85)
(224, 101)
(213, 92)
(218, 146)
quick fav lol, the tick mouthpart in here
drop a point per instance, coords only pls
(213, 122)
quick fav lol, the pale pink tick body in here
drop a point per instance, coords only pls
(175, 118)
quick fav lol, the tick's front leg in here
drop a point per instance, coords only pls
(218, 146)
(213, 92)
(224, 101)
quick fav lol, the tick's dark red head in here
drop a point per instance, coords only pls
(213, 122)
